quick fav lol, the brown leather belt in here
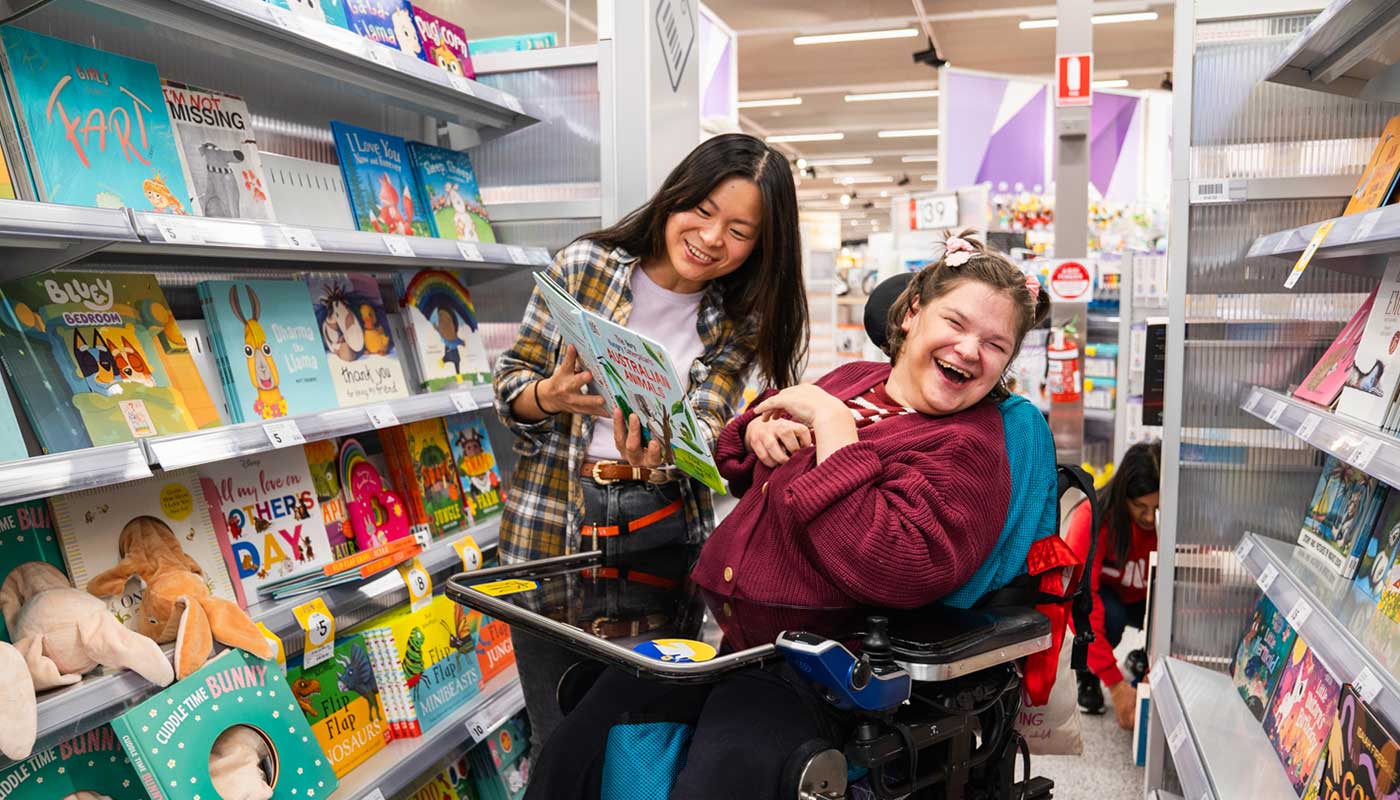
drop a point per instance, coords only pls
(606, 472)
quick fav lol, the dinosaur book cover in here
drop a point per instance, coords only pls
(1261, 656)
(269, 346)
(420, 455)
(476, 465)
(444, 43)
(93, 124)
(340, 698)
(90, 766)
(1300, 713)
(442, 329)
(449, 188)
(1337, 523)
(215, 133)
(1359, 762)
(26, 534)
(379, 181)
(98, 358)
(354, 327)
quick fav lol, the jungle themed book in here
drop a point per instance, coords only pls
(476, 465)
(388, 22)
(215, 133)
(1359, 761)
(1300, 713)
(379, 180)
(442, 329)
(1261, 656)
(340, 698)
(90, 766)
(364, 363)
(93, 125)
(444, 43)
(97, 358)
(1370, 384)
(1377, 183)
(26, 534)
(449, 188)
(1324, 382)
(1338, 521)
(495, 650)
(420, 455)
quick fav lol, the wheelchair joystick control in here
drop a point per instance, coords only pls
(848, 682)
(876, 644)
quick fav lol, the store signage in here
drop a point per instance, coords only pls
(1071, 280)
(1073, 74)
(933, 212)
(675, 28)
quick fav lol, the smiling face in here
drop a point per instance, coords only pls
(955, 349)
(714, 238)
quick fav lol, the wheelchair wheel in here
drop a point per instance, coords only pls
(815, 771)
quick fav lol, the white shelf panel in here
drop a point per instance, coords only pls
(42, 476)
(1207, 191)
(1357, 243)
(231, 441)
(1348, 49)
(583, 208)
(1359, 444)
(543, 58)
(1220, 750)
(26, 223)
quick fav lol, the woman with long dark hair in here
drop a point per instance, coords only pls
(1127, 539)
(710, 267)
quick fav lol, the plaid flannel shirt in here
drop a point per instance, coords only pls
(544, 506)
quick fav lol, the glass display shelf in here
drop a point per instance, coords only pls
(40, 236)
(1358, 243)
(1350, 49)
(1364, 446)
(58, 473)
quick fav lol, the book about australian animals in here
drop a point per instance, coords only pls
(215, 132)
(1381, 549)
(364, 363)
(476, 465)
(1300, 713)
(93, 524)
(340, 698)
(98, 358)
(388, 22)
(444, 43)
(90, 766)
(1261, 656)
(442, 329)
(1370, 383)
(1339, 519)
(1324, 382)
(26, 534)
(1359, 761)
(379, 179)
(1378, 181)
(421, 456)
(93, 125)
(448, 184)
(266, 334)
(323, 461)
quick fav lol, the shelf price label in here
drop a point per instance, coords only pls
(479, 726)
(284, 433)
(300, 238)
(461, 84)
(517, 254)
(1243, 549)
(464, 402)
(1307, 426)
(470, 553)
(1308, 252)
(1254, 397)
(1300, 613)
(379, 54)
(279, 651)
(1274, 413)
(419, 583)
(398, 245)
(1364, 451)
(1177, 737)
(1367, 685)
(382, 416)
(1267, 576)
(470, 251)
(377, 794)
(1282, 243)
(318, 624)
(175, 231)
(1366, 225)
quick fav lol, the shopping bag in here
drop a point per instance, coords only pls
(1053, 729)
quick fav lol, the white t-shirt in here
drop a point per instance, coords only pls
(667, 317)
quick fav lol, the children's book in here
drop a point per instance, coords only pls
(495, 652)
(90, 766)
(1324, 382)
(93, 125)
(340, 698)
(1370, 383)
(444, 43)
(1378, 181)
(215, 132)
(273, 361)
(420, 455)
(513, 44)
(323, 460)
(309, 9)
(308, 192)
(640, 379)
(501, 768)
(92, 525)
(1359, 761)
(388, 22)
(98, 358)
(1381, 549)
(1300, 713)
(1261, 656)
(364, 363)
(448, 185)
(476, 465)
(439, 788)
(267, 518)
(379, 180)
(1338, 521)
(442, 329)
(459, 774)
(26, 534)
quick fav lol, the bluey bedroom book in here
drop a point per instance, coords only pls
(1378, 181)
(93, 125)
(1359, 761)
(354, 327)
(1324, 382)
(215, 132)
(97, 358)
(26, 534)
(444, 43)
(90, 766)
(1300, 713)
(1339, 519)
(379, 180)
(323, 460)
(1381, 549)
(267, 518)
(274, 362)
(1370, 383)
(340, 698)
(442, 329)
(388, 22)
(476, 465)
(448, 184)
(420, 455)
(1260, 658)
(92, 524)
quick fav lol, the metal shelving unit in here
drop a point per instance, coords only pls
(1351, 48)
(1364, 446)
(41, 476)
(1357, 243)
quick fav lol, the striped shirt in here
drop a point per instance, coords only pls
(875, 405)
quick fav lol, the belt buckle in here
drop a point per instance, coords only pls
(598, 478)
(660, 475)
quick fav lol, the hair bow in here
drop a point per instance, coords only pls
(1033, 286)
(957, 251)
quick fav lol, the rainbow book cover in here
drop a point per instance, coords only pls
(1324, 382)
(1300, 713)
(1262, 653)
(442, 329)
(476, 464)
(26, 534)
(90, 766)
(267, 517)
(98, 358)
(94, 125)
(340, 698)
(444, 43)
(448, 185)
(266, 335)
(421, 456)
(354, 327)
(388, 22)
(323, 460)
(1359, 762)
(1337, 523)
(379, 180)
(215, 132)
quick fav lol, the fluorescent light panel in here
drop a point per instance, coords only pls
(928, 177)
(1097, 19)
(907, 133)
(864, 179)
(909, 95)
(1115, 83)
(919, 158)
(769, 103)
(855, 36)
(805, 137)
(840, 162)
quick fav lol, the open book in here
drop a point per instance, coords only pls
(634, 374)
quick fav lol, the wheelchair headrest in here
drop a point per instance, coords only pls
(877, 307)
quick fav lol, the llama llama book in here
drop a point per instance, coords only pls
(420, 455)
(1300, 713)
(1370, 382)
(340, 699)
(1324, 382)
(1359, 761)
(26, 534)
(444, 43)
(379, 180)
(449, 188)
(1339, 519)
(1378, 181)
(93, 125)
(98, 358)
(442, 329)
(476, 465)
(92, 525)
(90, 766)
(388, 22)
(1261, 656)
(265, 333)
(364, 363)
(215, 132)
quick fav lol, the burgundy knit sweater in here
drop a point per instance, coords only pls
(898, 519)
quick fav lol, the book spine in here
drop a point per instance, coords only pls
(220, 523)
(16, 141)
(389, 561)
(396, 451)
(359, 559)
(136, 755)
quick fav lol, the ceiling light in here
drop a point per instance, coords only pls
(1097, 19)
(908, 132)
(776, 101)
(849, 179)
(928, 177)
(884, 193)
(919, 158)
(805, 137)
(856, 36)
(1115, 83)
(841, 162)
(845, 200)
(910, 95)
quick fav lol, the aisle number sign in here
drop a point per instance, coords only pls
(419, 583)
(1074, 79)
(318, 624)
(933, 212)
(1071, 280)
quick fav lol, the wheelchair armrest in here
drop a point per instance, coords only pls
(939, 643)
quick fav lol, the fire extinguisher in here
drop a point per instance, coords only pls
(1063, 378)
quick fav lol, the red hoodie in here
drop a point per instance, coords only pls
(1128, 581)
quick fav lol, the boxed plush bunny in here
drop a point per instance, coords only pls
(232, 730)
(90, 765)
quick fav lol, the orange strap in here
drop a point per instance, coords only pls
(635, 525)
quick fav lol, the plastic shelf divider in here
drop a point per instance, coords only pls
(60, 473)
(1357, 443)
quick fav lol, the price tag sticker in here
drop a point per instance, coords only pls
(479, 726)
(278, 650)
(1300, 613)
(300, 239)
(1243, 549)
(1177, 737)
(470, 553)
(1367, 685)
(419, 583)
(1254, 396)
(1362, 454)
(176, 232)
(1308, 252)
(1275, 412)
(470, 251)
(379, 54)
(284, 433)
(517, 254)
(319, 625)
(464, 402)
(1366, 225)
(1267, 577)
(1307, 426)
(460, 83)
(398, 246)
(382, 416)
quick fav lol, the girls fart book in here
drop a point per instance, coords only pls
(1324, 382)
(379, 179)
(442, 329)
(448, 183)
(215, 133)
(1300, 714)
(1338, 521)
(1261, 656)
(364, 363)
